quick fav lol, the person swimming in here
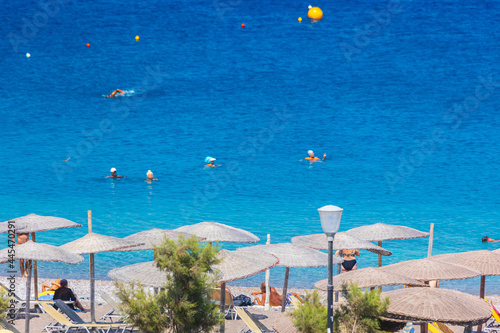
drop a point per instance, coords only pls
(113, 174)
(209, 162)
(113, 94)
(150, 176)
(311, 158)
(487, 239)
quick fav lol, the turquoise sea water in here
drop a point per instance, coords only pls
(402, 96)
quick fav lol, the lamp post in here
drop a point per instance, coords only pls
(330, 222)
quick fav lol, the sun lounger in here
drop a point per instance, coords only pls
(295, 301)
(494, 324)
(252, 324)
(63, 324)
(438, 328)
(115, 309)
(228, 302)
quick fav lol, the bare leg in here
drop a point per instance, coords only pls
(79, 305)
(23, 270)
(45, 286)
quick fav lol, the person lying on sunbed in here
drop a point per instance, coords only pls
(275, 300)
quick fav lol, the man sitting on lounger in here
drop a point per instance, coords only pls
(275, 300)
(66, 294)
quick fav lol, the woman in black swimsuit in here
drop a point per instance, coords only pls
(349, 257)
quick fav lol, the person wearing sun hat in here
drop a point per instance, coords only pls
(209, 162)
(113, 174)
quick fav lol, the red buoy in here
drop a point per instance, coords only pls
(88, 44)
(243, 25)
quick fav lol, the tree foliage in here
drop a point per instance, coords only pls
(4, 304)
(183, 304)
(311, 316)
(361, 312)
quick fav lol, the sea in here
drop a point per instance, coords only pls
(402, 96)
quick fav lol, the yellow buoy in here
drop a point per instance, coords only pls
(315, 13)
(136, 37)
(300, 19)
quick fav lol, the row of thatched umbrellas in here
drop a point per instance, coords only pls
(257, 258)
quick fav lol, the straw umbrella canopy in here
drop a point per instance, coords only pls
(342, 241)
(93, 243)
(379, 232)
(217, 232)
(34, 223)
(292, 255)
(370, 277)
(484, 261)
(431, 269)
(152, 237)
(437, 305)
(38, 251)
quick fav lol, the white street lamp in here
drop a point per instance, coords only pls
(330, 223)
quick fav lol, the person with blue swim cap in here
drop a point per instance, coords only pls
(209, 162)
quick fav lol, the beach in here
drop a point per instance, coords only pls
(82, 288)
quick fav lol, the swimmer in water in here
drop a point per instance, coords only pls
(487, 239)
(150, 176)
(113, 94)
(113, 174)
(209, 162)
(311, 158)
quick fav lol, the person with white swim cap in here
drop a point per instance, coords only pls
(209, 162)
(150, 176)
(311, 158)
(113, 174)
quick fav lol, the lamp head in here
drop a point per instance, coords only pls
(330, 219)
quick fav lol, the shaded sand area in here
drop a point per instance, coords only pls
(271, 319)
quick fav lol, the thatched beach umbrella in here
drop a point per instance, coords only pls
(217, 232)
(342, 241)
(379, 232)
(437, 304)
(152, 237)
(31, 224)
(38, 251)
(93, 243)
(370, 277)
(291, 255)
(431, 269)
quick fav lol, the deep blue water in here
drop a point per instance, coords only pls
(402, 96)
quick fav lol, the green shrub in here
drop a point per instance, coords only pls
(4, 304)
(183, 304)
(311, 316)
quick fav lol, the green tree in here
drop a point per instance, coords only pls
(4, 304)
(311, 316)
(361, 312)
(183, 304)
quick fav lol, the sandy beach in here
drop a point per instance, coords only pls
(271, 319)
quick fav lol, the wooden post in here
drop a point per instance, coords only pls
(92, 275)
(222, 306)
(35, 271)
(481, 295)
(285, 288)
(28, 298)
(424, 328)
(431, 239)
(379, 255)
(267, 305)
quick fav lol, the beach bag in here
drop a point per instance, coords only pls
(242, 300)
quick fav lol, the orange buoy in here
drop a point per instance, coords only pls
(243, 25)
(315, 13)
(88, 44)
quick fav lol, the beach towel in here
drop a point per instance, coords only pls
(409, 328)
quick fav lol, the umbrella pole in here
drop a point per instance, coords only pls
(92, 275)
(267, 304)
(35, 271)
(481, 295)
(222, 306)
(285, 287)
(379, 255)
(431, 240)
(424, 327)
(28, 297)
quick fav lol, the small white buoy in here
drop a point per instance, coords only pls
(28, 55)
(309, 7)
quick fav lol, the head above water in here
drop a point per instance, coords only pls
(310, 153)
(64, 283)
(113, 170)
(209, 159)
(149, 174)
(484, 239)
